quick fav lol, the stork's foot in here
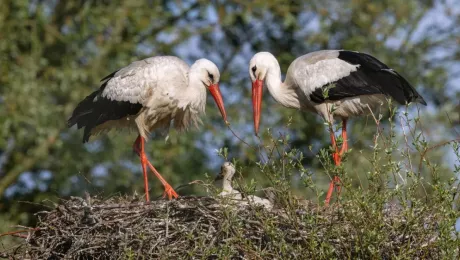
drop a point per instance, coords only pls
(169, 192)
(139, 149)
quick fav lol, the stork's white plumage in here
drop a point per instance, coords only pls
(150, 94)
(350, 82)
(258, 201)
(224, 180)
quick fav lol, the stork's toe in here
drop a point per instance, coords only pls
(170, 193)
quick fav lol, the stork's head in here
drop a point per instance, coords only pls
(227, 170)
(258, 69)
(208, 73)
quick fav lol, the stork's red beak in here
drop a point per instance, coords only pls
(257, 87)
(215, 92)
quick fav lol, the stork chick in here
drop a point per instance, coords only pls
(224, 180)
(226, 175)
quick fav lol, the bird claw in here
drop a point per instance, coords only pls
(170, 193)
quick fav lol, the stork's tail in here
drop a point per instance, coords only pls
(83, 115)
(419, 99)
(95, 110)
(410, 92)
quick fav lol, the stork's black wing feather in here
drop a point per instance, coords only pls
(111, 75)
(371, 77)
(96, 109)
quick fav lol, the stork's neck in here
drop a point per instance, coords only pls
(283, 93)
(227, 184)
(195, 95)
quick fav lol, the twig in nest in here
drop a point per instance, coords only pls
(17, 232)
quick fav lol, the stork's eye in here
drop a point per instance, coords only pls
(211, 77)
(254, 68)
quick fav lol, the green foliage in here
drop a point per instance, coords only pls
(394, 201)
(388, 219)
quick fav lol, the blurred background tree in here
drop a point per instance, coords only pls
(53, 54)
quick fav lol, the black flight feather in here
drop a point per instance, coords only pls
(95, 110)
(371, 77)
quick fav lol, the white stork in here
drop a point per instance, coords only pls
(148, 95)
(332, 83)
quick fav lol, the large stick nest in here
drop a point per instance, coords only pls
(209, 228)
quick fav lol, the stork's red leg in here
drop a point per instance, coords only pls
(169, 191)
(344, 138)
(329, 193)
(337, 156)
(342, 151)
(139, 148)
